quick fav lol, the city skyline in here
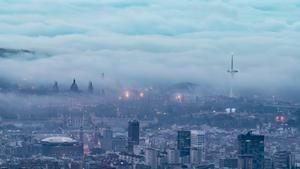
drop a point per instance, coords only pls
(149, 84)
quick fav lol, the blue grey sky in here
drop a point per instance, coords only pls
(137, 41)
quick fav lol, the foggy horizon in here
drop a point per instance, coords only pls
(168, 43)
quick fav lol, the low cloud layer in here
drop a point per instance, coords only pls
(153, 41)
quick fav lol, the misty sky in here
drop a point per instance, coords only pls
(138, 41)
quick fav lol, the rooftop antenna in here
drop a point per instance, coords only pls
(232, 72)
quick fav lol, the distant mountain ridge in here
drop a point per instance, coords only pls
(8, 53)
(22, 54)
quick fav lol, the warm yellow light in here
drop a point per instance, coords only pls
(126, 94)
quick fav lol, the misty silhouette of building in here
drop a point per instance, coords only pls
(55, 87)
(268, 164)
(172, 156)
(184, 143)
(81, 134)
(119, 144)
(151, 158)
(74, 86)
(91, 87)
(41, 163)
(196, 155)
(107, 139)
(282, 160)
(251, 151)
(206, 166)
(231, 163)
(133, 134)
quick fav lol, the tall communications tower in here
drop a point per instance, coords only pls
(232, 72)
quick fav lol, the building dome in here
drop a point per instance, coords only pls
(58, 140)
(61, 146)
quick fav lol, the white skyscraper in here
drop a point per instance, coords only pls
(198, 143)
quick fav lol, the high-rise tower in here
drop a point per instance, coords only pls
(184, 142)
(133, 134)
(251, 151)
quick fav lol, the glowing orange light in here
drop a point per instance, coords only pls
(126, 94)
(142, 94)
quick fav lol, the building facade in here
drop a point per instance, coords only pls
(251, 151)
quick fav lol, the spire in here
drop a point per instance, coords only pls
(55, 87)
(74, 87)
(91, 88)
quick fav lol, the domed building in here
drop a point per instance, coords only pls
(61, 146)
(74, 86)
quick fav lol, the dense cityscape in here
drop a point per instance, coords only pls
(149, 128)
(149, 84)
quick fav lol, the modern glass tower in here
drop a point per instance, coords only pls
(133, 134)
(184, 142)
(251, 151)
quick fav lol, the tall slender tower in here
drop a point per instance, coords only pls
(232, 72)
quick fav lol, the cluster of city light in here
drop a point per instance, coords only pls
(280, 119)
(127, 94)
(178, 97)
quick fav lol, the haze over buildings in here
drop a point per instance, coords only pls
(151, 41)
(149, 84)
